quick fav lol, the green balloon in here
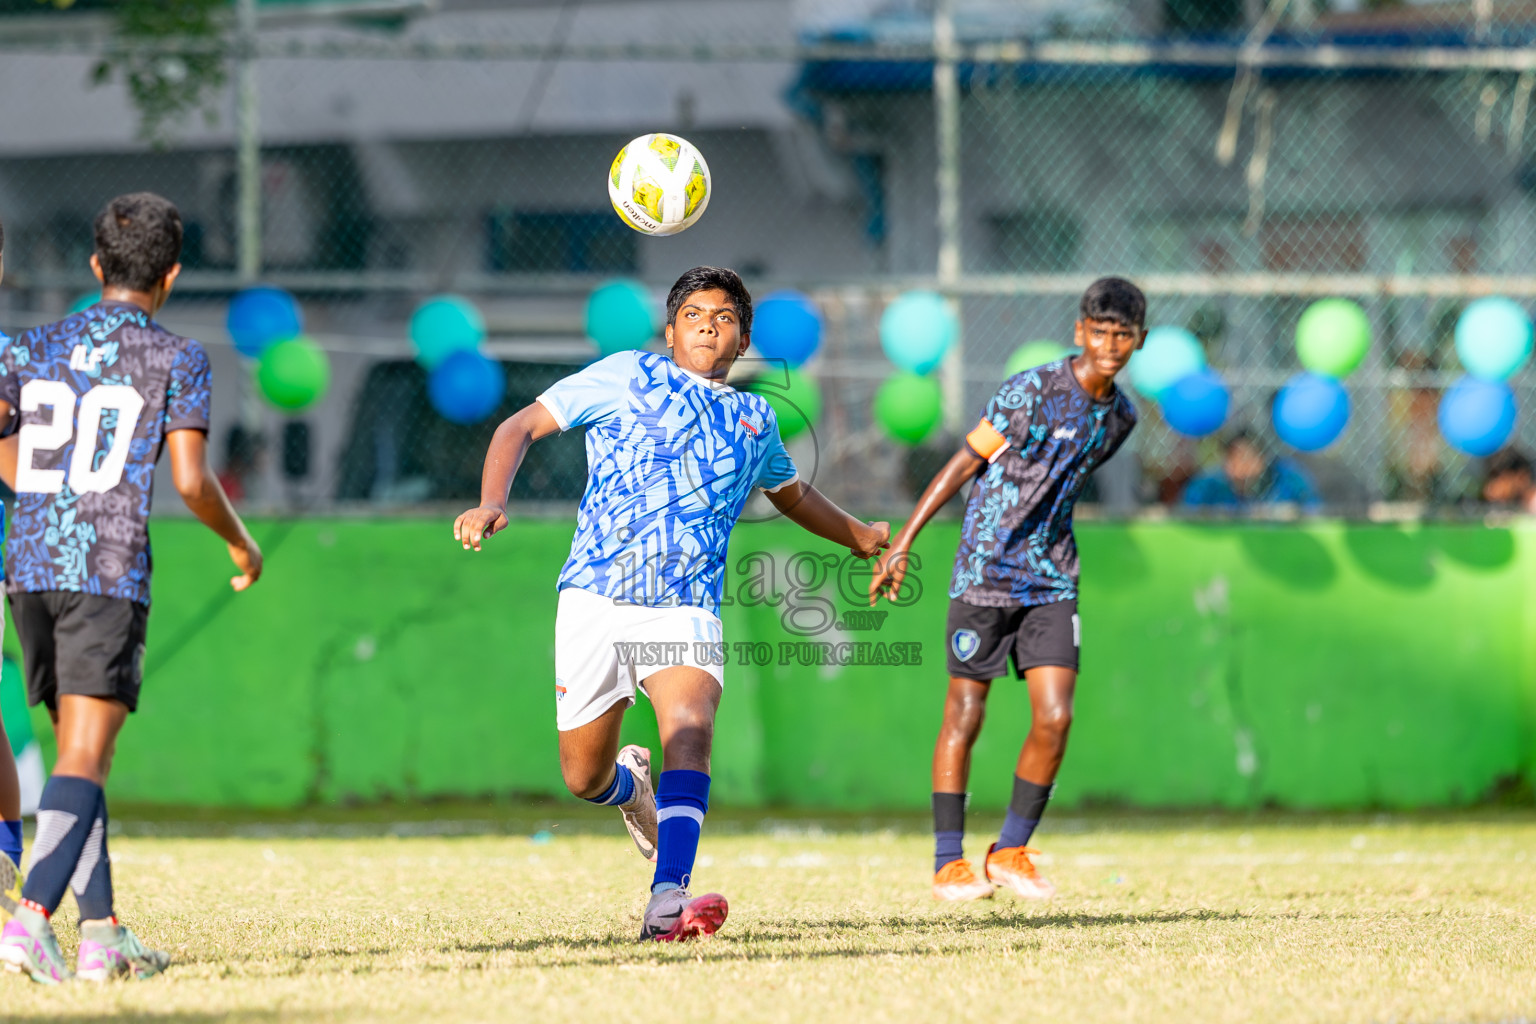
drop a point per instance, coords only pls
(909, 407)
(1332, 337)
(1032, 354)
(293, 374)
(795, 406)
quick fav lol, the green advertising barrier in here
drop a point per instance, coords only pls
(1326, 665)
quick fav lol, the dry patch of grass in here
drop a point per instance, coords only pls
(1277, 919)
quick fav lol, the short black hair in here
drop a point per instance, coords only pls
(701, 279)
(1114, 298)
(1509, 460)
(138, 240)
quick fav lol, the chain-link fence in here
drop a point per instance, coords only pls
(1398, 189)
(1281, 156)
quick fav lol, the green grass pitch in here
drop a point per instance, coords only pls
(459, 914)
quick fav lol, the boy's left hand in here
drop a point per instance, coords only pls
(479, 523)
(870, 539)
(890, 570)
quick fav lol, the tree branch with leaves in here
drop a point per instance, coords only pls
(171, 55)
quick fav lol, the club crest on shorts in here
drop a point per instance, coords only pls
(964, 643)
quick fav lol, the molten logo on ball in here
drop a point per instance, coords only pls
(659, 184)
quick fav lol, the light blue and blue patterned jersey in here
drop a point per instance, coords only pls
(1043, 435)
(97, 392)
(671, 461)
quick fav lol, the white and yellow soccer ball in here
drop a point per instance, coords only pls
(659, 184)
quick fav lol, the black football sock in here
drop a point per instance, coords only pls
(70, 834)
(948, 828)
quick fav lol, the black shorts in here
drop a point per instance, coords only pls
(980, 640)
(81, 644)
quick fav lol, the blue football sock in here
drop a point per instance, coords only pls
(93, 893)
(10, 840)
(947, 846)
(682, 797)
(1024, 813)
(70, 836)
(619, 791)
(948, 828)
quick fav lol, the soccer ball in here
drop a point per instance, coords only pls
(659, 184)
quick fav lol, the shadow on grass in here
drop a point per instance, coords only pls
(893, 935)
(936, 936)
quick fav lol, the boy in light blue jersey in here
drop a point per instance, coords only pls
(673, 453)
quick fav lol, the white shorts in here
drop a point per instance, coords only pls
(605, 650)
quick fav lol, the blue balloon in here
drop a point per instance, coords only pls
(443, 325)
(466, 386)
(917, 330)
(621, 315)
(1167, 356)
(1196, 405)
(1493, 338)
(260, 317)
(1477, 416)
(1311, 411)
(786, 326)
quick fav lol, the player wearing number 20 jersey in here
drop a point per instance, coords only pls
(93, 399)
(96, 392)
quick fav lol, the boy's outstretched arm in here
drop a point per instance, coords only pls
(204, 495)
(892, 568)
(805, 505)
(508, 446)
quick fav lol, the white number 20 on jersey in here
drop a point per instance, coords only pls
(85, 474)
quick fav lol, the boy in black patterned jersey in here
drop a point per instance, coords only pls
(1014, 589)
(93, 400)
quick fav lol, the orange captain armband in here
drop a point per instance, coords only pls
(986, 441)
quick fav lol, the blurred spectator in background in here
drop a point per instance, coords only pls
(243, 449)
(1246, 477)
(1509, 481)
(1415, 469)
(1179, 464)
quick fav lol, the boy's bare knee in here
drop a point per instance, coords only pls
(963, 715)
(1052, 723)
(586, 781)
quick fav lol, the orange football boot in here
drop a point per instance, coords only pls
(956, 881)
(1012, 868)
